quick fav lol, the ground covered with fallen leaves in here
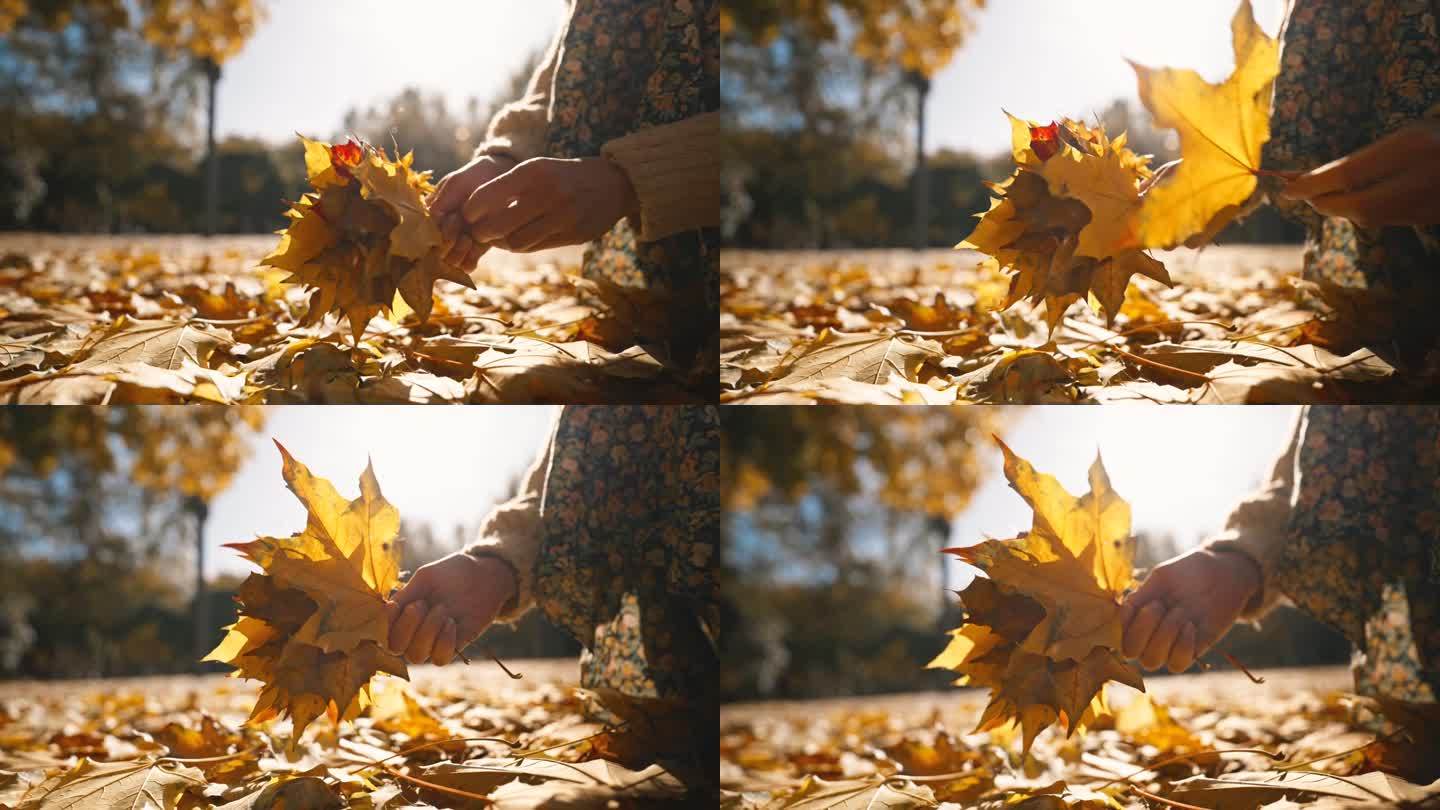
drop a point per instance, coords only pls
(918, 751)
(1238, 326)
(188, 319)
(181, 742)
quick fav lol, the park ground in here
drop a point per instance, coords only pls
(927, 327)
(190, 319)
(918, 750)
(194, 726)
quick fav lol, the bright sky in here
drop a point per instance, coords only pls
(442, 466)
(1041, 59)
(1181, 469)
(314, 59)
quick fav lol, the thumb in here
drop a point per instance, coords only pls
(1148, 591)
(417, 588)
(447, 196)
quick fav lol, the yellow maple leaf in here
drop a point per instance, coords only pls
(313, 626)
(1042, 626)
(363, 238)
(1066, 221)
(1222, 128)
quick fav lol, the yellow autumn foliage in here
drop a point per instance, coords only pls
(313, 626)
(1042, 627)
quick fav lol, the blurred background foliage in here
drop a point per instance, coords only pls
(833, 582)
(824, 145)
(102, 120)
(100, 513)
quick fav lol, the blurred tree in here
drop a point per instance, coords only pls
(441, 139)
(894, 45)
(911, 35)
(117, 489)
(841, 511)
(120, 82)
(185, 37)
(916, 460)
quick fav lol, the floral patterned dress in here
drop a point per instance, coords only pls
(1351, 72)
(626, 563)
(629, 66)
(1363, 549)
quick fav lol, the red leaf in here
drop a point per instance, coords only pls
(346, 154)
(1045, 140)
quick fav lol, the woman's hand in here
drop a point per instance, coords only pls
(450, 195)
(1390, 182)
(549, 202)
(446, 605)
(1186, 605)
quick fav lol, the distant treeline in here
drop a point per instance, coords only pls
(102, 131)
(110, 615)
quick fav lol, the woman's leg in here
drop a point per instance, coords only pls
(630, 518)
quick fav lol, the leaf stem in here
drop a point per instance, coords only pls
(1235, 662)
(1147, 361)
(1183, 757)
(423, 746)
(432, 786)
(1152, 797)
(1155, 326)
(1375, 741)
(221, 758)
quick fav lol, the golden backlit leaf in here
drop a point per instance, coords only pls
(313, 626)
(363, 238)
(1066, 222)
(1042, 627)
(1222, 128)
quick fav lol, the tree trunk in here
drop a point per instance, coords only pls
(201, 609)
(940, 529)
(922, 171)
(212, 168)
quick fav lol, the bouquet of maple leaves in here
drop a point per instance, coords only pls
(313, 626)
(1081, 209)
(1042, 626)
(363, 238)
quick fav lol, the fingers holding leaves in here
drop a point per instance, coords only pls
(445, 644)
(1141, 627)
(1162, 641)
(1182, 655)
(1385, 183)
(405, 624)
(423, 643)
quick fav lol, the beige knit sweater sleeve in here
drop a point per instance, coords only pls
(1257, 526)
(517, 130)
(675, 169)
(511, 533)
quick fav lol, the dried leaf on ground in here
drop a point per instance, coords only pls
(102, 744)
(115, 786)
(910, 749)
(89, 320)
(1236, 327)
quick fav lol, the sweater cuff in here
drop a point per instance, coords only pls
(510, 533)
(1264, 553)
(675, 169)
